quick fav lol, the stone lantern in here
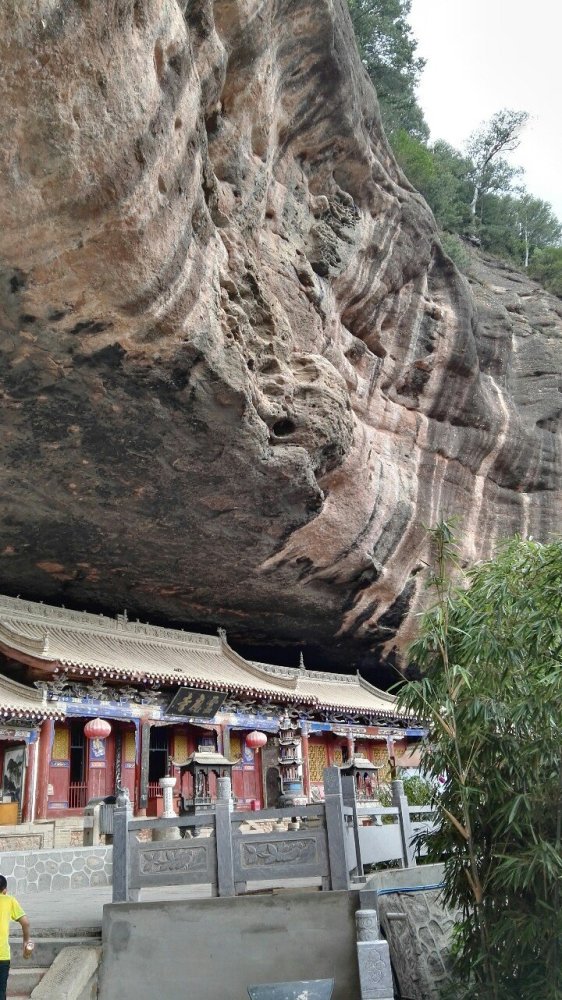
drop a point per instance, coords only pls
(200, 765)
(365, 776)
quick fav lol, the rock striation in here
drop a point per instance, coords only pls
(238, 372)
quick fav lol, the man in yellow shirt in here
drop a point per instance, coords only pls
(10, 909)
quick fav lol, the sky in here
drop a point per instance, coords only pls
(484, 55)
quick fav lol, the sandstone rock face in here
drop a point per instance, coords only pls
(238, 373)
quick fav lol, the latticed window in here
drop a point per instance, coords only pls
(180, 747)
(317, 761)
(61, 743)
(129, 747)
(236, 748)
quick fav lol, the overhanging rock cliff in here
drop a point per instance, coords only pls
(238, 372)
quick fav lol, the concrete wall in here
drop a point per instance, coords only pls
(213, 949)
(70, 868)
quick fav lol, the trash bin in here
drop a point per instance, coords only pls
(106, 816)
(101, 812)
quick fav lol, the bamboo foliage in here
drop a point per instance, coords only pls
(490, 685)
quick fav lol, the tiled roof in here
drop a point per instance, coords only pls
(116, 649)
(347, 692)
(20, 702)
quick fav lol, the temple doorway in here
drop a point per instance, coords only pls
(272, 787)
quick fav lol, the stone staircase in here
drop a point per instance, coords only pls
(27, 975)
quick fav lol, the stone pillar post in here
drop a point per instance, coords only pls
(167, 785)
(406, 833)
(373, 956)
(335, 828)
(350, 800)
(44, 759)
(121, 816)
(305, 761)
(168, 832)
(223, 837)
(224, 790)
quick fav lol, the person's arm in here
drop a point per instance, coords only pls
(24, 924)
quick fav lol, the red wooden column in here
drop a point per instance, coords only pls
(43, 761)
(27, 808)
(350, 744)
(305, 761)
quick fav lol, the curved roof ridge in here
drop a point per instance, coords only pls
(391, 698)
(257, 669)
(19, 690)
(328, 676)
(21, 702)
(25, 643)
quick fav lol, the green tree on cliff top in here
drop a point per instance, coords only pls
(388, 50)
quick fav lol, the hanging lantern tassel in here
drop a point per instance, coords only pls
(97, 729)
(255, 740)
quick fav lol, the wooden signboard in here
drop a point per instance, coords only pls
(196, 701)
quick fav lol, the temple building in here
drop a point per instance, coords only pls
(164, 694)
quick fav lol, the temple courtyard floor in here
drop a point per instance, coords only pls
(82, 908)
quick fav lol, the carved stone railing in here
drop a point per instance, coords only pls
(377, 834)
(225, 857)
(330, 843)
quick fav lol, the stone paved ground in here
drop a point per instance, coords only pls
(65, 909)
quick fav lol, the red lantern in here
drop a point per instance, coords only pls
(255, 740)
(97, 729)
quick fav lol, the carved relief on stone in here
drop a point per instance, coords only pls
(284, 852)
(375, 972)
(375, 969)
(173, 860)
(367, 925)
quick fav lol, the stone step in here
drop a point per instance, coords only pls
(72, 975)
(22, 982)
(47, 948)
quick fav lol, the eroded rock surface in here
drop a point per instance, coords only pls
(238, 372)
